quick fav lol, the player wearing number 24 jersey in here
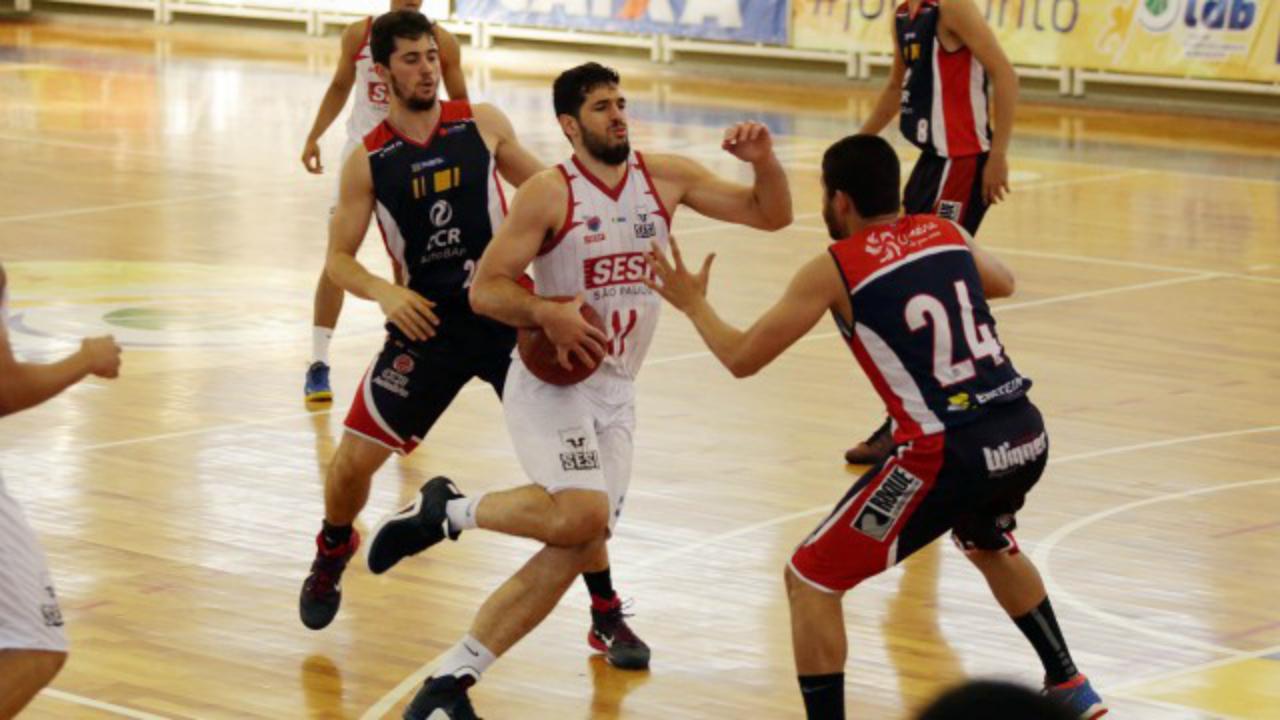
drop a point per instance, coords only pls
(909, 296)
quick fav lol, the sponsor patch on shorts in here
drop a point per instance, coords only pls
(881, 512)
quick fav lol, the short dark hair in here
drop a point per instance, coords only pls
(572, 87)
(866, 168)
(993, 699)
(403, 24)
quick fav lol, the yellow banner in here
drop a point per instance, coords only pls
(1216, 39)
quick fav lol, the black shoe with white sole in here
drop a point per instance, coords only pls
(415, 528)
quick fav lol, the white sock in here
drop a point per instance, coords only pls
(468, 657)
(462, 512)
(320, 337)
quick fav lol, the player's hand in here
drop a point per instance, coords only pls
(311, 157)
(748, 141)
(995, 179)
(103, 354)
(571, 333)
(408, 311)
(674, 282)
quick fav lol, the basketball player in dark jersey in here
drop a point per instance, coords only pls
(909, 296)
(369, 107)
(946, 61)
(429, 173)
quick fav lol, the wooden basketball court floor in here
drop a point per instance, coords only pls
(151, 188)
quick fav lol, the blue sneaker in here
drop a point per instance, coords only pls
(317, 387)
(1078, 696)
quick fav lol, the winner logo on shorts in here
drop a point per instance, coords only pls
(881, 511)
(575, 453)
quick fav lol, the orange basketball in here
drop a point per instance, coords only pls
(539, 353)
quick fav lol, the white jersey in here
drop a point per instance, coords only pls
(372, 96)
(600, 251)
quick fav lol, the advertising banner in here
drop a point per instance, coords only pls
(1213, 39)
(762, 21)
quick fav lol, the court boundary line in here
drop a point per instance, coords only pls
(112, 708)
(1042, 555)
(656, 361)
(387, 701)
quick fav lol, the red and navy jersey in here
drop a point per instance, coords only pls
(944, 93)
(921, 328)
(438, 204)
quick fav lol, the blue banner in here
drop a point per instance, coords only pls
(741, 20)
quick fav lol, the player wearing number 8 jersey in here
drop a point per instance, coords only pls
(946, 63)
(585, 226)
(429, 173)
(909, 296)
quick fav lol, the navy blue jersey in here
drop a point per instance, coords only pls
(921, 329)
(944, 93)
(438, 205)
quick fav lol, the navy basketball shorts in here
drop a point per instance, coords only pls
(409, 385)
(948, 187)
(970, 480)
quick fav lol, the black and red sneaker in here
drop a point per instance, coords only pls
(610, 635)
(322, 590)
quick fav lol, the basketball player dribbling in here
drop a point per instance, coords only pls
(33, 644)
(909, 296)
(355, 71)
(946, 61)
(585, 226)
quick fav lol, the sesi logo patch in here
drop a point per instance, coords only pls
(618, 269)
(378, 93)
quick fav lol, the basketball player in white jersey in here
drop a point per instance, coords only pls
(585, 226)
(33, 646)
(355, 70)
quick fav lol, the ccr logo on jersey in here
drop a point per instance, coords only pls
(441, 213)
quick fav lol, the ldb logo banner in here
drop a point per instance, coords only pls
(1214, 39)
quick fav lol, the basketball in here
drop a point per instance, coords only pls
(539, 353)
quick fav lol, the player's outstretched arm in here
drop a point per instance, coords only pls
(24, 385)
(766, 204)
(537, 213)
(403, 307)
(964, 19)
(515, 163)
(815, 289)
(344, 77)
(455, 82)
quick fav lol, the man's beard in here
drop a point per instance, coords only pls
(834, 228)
(410, 101)
(599, 148)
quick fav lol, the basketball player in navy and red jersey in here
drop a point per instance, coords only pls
(946, 61)
(33, 643)
(429, 172)
(909, 296)
(369, 107)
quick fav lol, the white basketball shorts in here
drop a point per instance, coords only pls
(30, 618)
(577, 437)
